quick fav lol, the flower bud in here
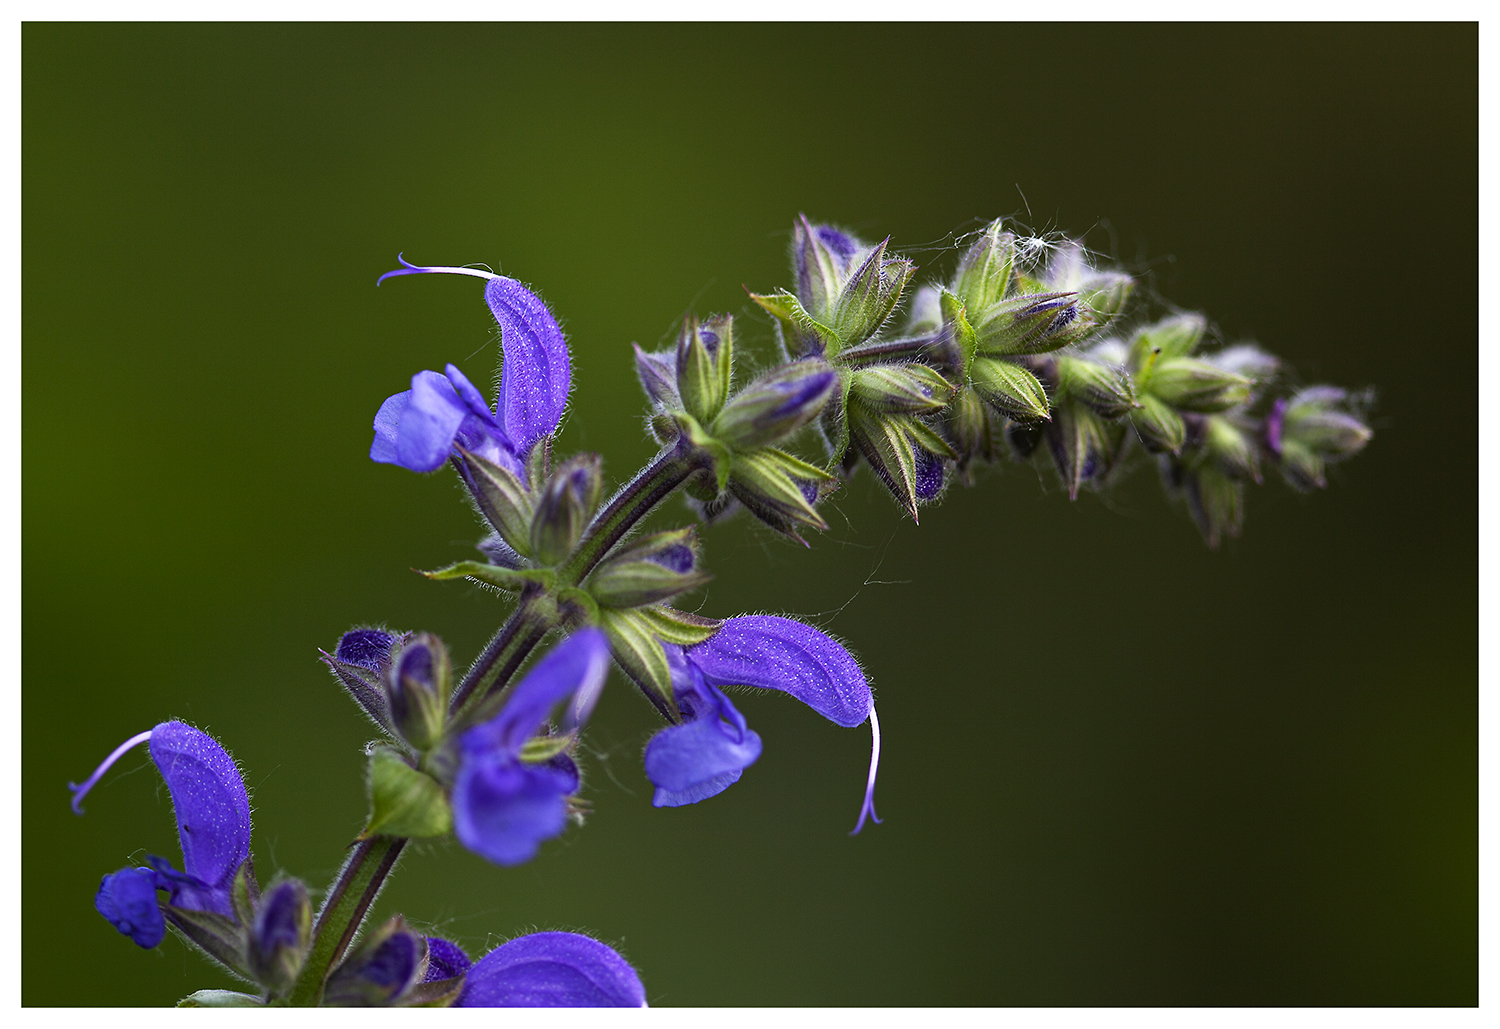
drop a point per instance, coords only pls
(360, 662)
(1010, 389)
(870, 295)
(985, 270)
(658, 375)
(1217, 503)
(780, 489)
(565, 506)
(844, 285)
(903, 388)
(704, 356)
(1107, 390)
(970, 425)
(1312, 420)
(501, 497)
(387, 963)
(1232, 446)
(649, 570)
(1084, 448)
(417, 682)
(822, 257)
(1104, 293)
(905, 455)
(775, 405)
(1190, 384)
(1159, 427)
(1171, 337)
(280, 935)
(1032, 323)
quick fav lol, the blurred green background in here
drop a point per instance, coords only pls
(1119, 768)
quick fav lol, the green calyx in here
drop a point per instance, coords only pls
(403, 800)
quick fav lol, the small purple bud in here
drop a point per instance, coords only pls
(280, 935)
(775, 405)
(565, 506)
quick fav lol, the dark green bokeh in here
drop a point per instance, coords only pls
(1120, 768)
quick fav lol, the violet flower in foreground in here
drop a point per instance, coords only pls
(503, 808)
(706, 754)
(418, 429)
(552, 970)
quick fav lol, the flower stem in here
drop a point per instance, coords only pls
(526, 627)
(349, 898)
(635, 500)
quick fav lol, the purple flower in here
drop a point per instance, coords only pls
(503, 808)
(127, 900)
(705, 754)
(552, 970)
(418, 429)
(213, 826)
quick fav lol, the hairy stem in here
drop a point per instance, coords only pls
(526, 627)
(349, 899)
(635, 500)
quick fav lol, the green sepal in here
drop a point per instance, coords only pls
(680, 627)
(442, 993)
(220, 999)
(544, 748)
(955, 315)
(1010, 389)
(564, 506)
(985, 270)
(869, 296)
(884, 442)
(1302, 467)
(1159, 427)
(539, 465)
(703, 377)
(638, 652)
(512, 580)
(632, 577)
(969, 422)
(761, 414)
(1232, 446)
(1084, 448)
(346, 987)
(1189, 384)
(1032, 323)
(924, 436)
(502, 499)
(404, 801)
(799, 327)
(768, 482)
(901, 388)
(1171, 337)
(243, 893)
(219, 937)
(834, 421)
(718, 454)
(1107, 390)
(1217, 503)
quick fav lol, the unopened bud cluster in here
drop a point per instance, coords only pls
(1026, 343)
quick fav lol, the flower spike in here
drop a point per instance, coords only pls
(417, 269)
(79, 792)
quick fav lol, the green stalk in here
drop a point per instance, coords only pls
(348, 901)
(527, 626)
(635, 501)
